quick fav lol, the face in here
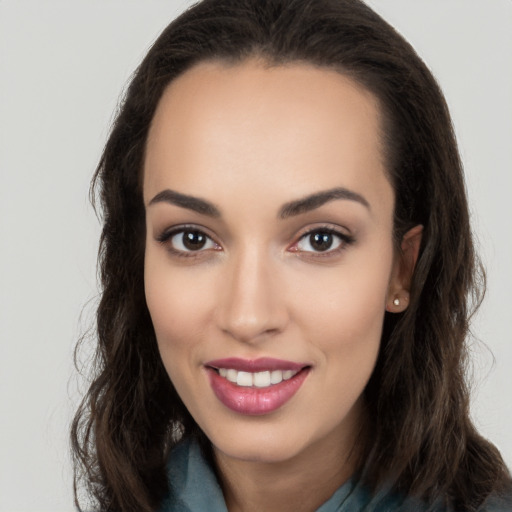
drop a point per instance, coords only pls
(269, 256)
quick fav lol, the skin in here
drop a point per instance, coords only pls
(250, 138)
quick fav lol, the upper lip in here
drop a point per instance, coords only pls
(255, 365)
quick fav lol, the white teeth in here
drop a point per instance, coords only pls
(276, 376)
(231, 375)
(244, 379)
(258, 379)
(261, 379)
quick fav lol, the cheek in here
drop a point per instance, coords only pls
(344, 307)
(178, 318)
(178, 302)
(344, 322)
(349, 341)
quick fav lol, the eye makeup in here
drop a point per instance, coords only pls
(191, 241)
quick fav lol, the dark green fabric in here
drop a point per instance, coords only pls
(194, 488)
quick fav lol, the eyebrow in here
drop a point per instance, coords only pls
(318, 199)
(290, 209)
(185, 201)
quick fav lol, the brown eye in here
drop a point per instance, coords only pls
(322, 240)
(191, 240)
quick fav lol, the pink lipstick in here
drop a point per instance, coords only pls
(255, 387)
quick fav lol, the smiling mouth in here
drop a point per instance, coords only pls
(262, 379)
(256, 373)
(255, 387)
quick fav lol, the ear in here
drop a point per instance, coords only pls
(403, 270)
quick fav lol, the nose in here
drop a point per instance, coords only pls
(251, 306)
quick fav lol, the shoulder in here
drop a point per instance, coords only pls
(388, 500)
(498, 503)
(192, 483)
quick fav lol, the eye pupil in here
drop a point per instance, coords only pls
(194, 240)
(321, 241)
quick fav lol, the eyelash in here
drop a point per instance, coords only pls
(166, 237)
(344, 241)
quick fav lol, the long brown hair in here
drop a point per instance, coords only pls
(423, 441)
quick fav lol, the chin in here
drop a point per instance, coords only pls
(266, 451)
(269, 441)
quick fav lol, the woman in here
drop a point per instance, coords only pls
(286, 263)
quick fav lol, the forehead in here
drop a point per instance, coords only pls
(296, 127)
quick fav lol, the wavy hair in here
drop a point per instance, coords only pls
(422, 441)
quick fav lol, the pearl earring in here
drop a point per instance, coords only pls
(396, 302)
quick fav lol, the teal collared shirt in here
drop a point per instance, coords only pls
(194, 488)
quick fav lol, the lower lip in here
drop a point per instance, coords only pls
(254, 401)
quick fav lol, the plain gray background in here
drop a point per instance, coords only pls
(63, 65)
